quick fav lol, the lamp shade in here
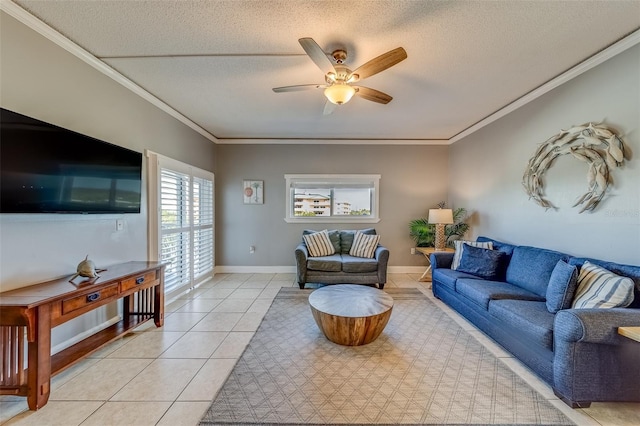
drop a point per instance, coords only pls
(339, 93)
(442, 216)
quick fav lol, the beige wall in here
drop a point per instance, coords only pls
(487, 167)
(414, 178)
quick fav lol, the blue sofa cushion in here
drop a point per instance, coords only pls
(347, 236)
(482, 292)
(498, 245)
(460, 245)
(562, 286)
(331, 263)
(448, 277)
(358, 264)
(630, 271)
(531, 267)
(532, 319)
(484, 263)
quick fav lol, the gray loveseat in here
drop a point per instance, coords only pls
(577, 351)
(341, 268)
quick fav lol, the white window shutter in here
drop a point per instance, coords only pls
(185, 224)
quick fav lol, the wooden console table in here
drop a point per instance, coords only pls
(33, 311)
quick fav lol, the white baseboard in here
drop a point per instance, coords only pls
(228, 269)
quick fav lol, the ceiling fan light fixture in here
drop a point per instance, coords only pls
(339, 93)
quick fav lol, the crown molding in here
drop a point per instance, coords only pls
(45, 30)
(584, 66)
(49, 33)
(316, 141)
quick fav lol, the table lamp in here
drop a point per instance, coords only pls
(440, 217)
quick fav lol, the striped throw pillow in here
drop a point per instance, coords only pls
(364, 245)
(601, 288)
(459, 246)
(319, 244)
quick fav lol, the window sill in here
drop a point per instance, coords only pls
(333, 219)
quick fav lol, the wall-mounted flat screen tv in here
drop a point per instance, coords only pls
(48, 169)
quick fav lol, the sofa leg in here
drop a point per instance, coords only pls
(570, 403)
(301, 285)
(380, 286)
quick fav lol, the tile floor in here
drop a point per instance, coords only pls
(168, 376)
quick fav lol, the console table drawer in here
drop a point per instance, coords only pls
(79, 302)
(139, 281)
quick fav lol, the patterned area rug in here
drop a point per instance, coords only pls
(423, 369)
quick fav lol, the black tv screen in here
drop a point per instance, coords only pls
(48, 169)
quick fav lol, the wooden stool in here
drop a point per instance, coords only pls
(350, 314)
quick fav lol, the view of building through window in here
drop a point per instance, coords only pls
(332, 202)
(332, 198)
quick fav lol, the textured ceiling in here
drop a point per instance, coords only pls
(215, 62)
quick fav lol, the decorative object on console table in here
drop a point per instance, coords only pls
(86, 269)
(29, 314)
(426, 251)
(440, 217)
(253, 191)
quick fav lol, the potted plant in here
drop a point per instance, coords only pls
(424, 233)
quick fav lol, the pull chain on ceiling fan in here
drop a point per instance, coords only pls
(339, 88)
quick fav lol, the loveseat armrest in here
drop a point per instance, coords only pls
(302, 254)
(442, 259)
(594, 325)
(382, 256)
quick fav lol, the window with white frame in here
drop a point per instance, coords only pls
(181, 221)
(332, 198)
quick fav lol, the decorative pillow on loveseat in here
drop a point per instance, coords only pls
(483, 262)
(459, 246)
(601, 288)
(364, 245)
(347, 236)
(319, 244)
(562, 287)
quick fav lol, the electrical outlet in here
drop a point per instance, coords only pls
(252, 249)
(413, 250)
(119, 224)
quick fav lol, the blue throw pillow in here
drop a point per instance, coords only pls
(562, 286)
(484, 263)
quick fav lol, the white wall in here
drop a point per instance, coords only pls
(414, 179)
(41, 80)
(486, 168)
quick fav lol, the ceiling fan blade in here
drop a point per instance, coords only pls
(317, 55)
(380, 63)
(329, 107)
(372, 95)
(298, 87)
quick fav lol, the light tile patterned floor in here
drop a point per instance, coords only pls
(171, 374)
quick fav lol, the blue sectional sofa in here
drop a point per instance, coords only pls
(577, 351)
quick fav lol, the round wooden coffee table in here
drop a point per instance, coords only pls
(350, 314)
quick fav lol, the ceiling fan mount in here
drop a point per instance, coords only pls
(339, 55)
(338, 88)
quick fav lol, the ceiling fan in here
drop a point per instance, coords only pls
(339, 88)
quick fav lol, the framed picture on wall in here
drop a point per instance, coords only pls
(253, 191)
